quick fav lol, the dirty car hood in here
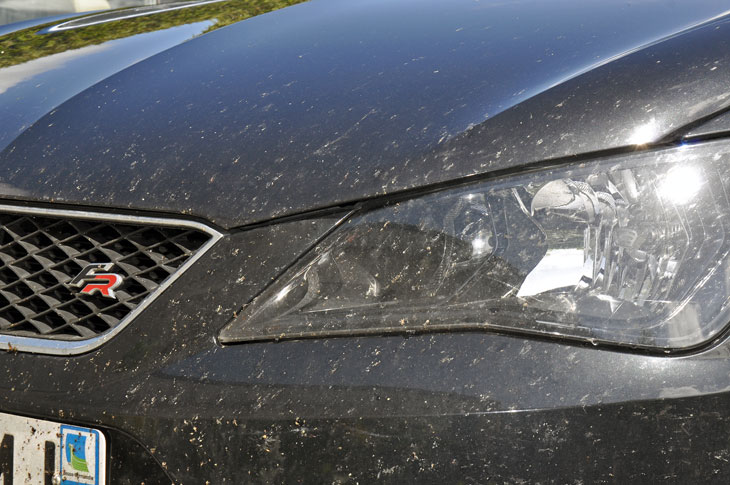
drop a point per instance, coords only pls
(332, 101)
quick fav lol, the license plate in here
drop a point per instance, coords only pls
(33, 451)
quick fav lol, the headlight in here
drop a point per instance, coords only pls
(630, 250)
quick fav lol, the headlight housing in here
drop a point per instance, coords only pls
(629, 250)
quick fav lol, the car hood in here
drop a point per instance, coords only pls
(331, 101)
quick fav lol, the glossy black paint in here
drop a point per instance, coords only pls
(716, 127)
(30, 91)
(449, 407)
(442, 407)
(42, 68)
(329, 102)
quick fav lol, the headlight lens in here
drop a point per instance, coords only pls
(630, 250)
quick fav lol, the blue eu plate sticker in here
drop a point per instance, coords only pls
(83, 452)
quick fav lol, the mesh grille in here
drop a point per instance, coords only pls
(40, 255)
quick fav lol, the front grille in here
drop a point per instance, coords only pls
(41, 254)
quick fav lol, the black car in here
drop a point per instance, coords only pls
(360, 241)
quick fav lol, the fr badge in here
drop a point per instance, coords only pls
(94, 279)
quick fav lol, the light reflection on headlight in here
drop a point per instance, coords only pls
(630, 250)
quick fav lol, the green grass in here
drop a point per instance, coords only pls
(26, 45)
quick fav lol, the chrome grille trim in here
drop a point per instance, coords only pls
(75, 347)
